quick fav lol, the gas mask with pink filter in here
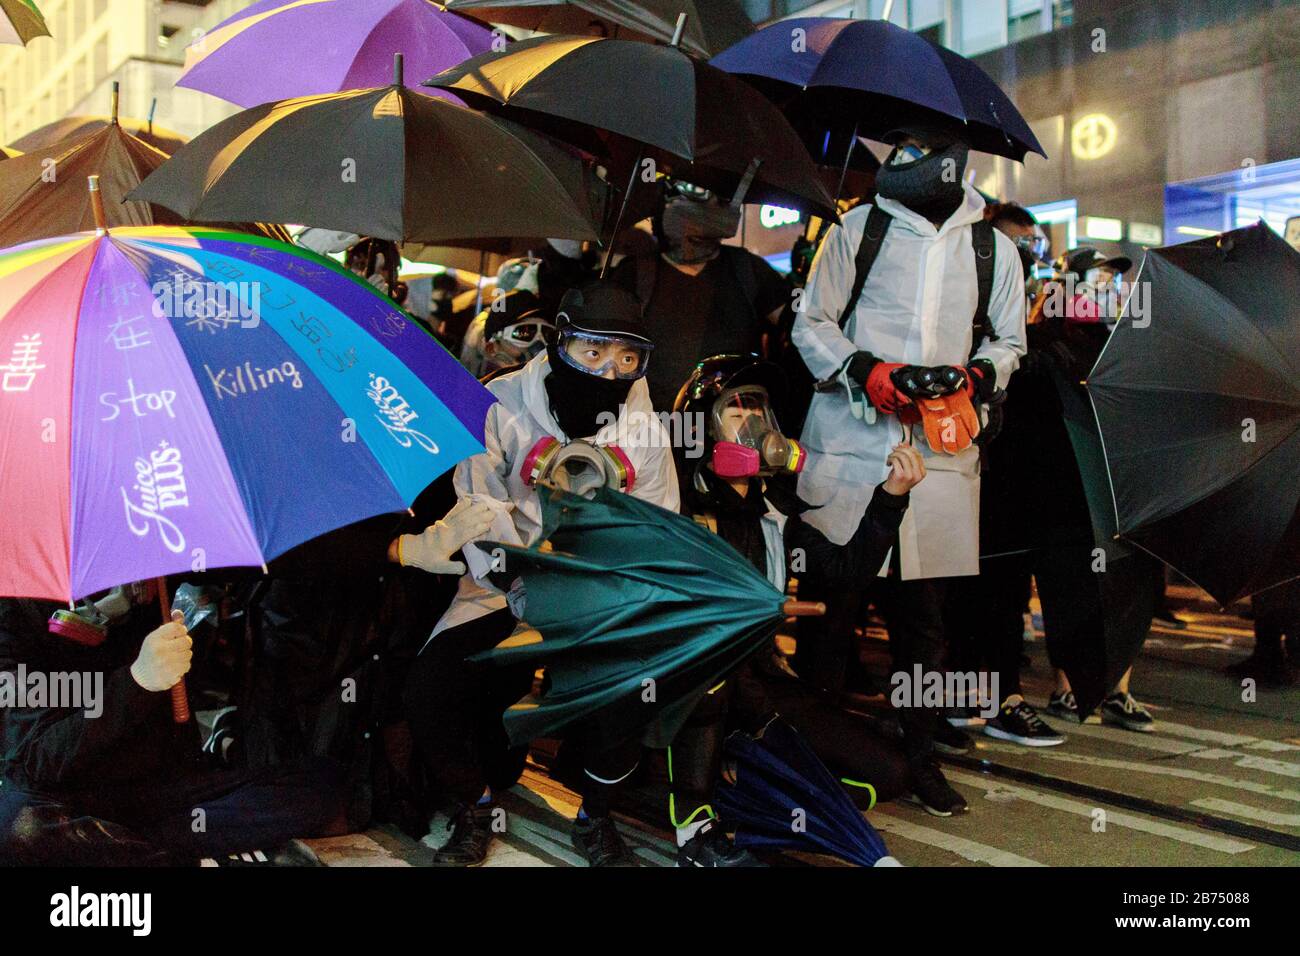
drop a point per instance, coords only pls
(747, 441)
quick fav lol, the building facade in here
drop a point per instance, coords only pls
(140, 43)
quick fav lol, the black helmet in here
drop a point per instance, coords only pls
(713, 375)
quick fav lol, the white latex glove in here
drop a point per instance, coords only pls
(164, 656)
(114, 604)
(432, 550)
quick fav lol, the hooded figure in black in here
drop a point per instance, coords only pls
(110, 779)
(742, 489)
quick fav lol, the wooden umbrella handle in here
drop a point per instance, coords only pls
(793, 608)
(180, 700)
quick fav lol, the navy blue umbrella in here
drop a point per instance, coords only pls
(778, 793)
(879, 77)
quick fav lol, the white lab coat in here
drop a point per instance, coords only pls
(917, 307)
(521, 417)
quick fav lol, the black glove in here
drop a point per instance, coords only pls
(860, 366)
(984, 380)
(919, 381)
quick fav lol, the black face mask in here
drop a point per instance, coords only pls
(695, 230)
(930, 186)
(578, 400)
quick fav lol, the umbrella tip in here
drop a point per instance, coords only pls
(679, 29)
(399, 71)
(97, 205)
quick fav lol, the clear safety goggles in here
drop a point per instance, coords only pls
(1102, 277)
(597, 354)
(525, 333)
(687, 190)
(1035, 245)
(743, 415)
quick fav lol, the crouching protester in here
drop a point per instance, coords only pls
(742, 489)
(105, 776)
(578, 396)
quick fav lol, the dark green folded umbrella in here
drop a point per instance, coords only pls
(639, 611)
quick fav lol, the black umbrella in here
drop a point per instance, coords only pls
(385, 162)
(1197, 395)
(713, 26)
(623, 100)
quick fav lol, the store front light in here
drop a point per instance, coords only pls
(774, 217)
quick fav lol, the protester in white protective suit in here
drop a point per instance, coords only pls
(589, 385)
(915, 346)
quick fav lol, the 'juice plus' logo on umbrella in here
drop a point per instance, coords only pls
(159, 486)
(396, 416)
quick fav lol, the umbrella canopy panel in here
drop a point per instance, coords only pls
(1197, 395)
(175, 398)
(70, 127)
(694, 121)
(711, 25)
(387, 162)
(258, 54)
(881, 77)
(21, 21)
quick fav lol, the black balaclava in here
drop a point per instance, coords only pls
(579, 399)
(921, 185)
(694, 230)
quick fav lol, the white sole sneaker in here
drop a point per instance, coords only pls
(916, 801)
(1001, 734)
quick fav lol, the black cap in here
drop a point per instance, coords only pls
(1080, 260)
(509, 308)
(602, 308)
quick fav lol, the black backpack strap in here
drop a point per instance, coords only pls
(981, 234)
(873, 237)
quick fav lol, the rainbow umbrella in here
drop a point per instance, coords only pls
(21, 22)
(173, 399)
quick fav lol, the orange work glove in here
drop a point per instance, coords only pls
(950, 422)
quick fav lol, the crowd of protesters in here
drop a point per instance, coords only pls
(899, 425)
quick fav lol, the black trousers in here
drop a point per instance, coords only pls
(171, 821)
(455, 706)
(985, 619)
(913, 613)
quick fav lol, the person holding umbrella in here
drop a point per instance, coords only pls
(589, 384)
(933, 330)
(109, 779)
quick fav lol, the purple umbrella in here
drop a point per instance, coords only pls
(279, 49)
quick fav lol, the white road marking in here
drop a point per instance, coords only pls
(1158, 769)
(886, 822)
(1129, 738)
(1249, 812)
(1225, 740)
(1119, 818)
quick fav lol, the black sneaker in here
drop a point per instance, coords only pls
(598, 840)
(1267, 670)
(931, 790)
(710, 847)
(1020, 723)
(1123, 711)
(471, 835)
(1165, 618)
(951, 740)
(1063, 706)
(964, 717)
